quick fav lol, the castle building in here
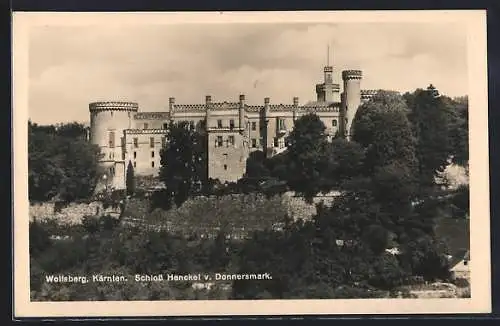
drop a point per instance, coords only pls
(234, 129)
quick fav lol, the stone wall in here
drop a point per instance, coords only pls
(73, 213)
(70, 214)
(299, 208)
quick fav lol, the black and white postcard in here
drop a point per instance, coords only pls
(260, 163)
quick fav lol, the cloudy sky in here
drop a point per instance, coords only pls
(72, 66)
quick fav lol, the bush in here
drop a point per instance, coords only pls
(91, 224)
(461, 282)
(39, 239)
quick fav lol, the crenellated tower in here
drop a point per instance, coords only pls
(108, 120)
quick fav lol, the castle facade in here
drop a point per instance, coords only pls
(234, 129)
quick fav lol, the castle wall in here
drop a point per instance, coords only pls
(197, 118)
(226, 162)
(150, 120)
(253, 131)
(279, 125)
(143, 150)
(331, 120)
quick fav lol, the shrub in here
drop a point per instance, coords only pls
(39, 238)
(90, 223)
(461, 282)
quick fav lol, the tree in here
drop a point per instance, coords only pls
(307, 156)
(73, 130)
(256, 166)
(130, 181)
(425, 257)
(184, 161)
(382, 128)
(394, 187)
(60, 165)
(460, 202)
(345, 160)
(81, 170)
(430, 126)
(458, 128)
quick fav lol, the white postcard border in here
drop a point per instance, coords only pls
(480, 300)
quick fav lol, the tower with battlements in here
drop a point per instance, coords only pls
(108, 121)
(352, 98)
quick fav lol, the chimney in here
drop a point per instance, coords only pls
(208, 99)
(296, 101)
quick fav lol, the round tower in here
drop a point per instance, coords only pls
(351, 98)
(108, 120)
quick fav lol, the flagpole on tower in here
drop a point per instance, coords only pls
(328, 55)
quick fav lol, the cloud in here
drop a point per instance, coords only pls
(72, 66)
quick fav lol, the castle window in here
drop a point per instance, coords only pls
(135, 154)
(219, 123)
(152, 142)
(152, 154)
(146, 126)
(334, 123)
(163, 141)
(165, 126)
(254, 126)
(135, 165)
(153, 164)
(281, 124)
(218, 142)
(276, 142)
(136, 142)
(254, 142)
(231, 124)
(225, 166)
(111, 139)
(231, 140)
(281, 143)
